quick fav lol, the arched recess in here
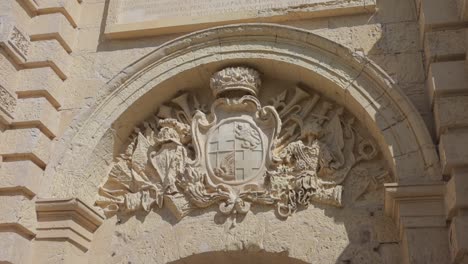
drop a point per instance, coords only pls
(238, 257)
(81, 159)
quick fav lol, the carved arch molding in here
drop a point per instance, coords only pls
(298, 146)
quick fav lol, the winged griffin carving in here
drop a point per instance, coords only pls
(296, 150)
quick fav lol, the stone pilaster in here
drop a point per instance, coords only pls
(65, 230)
(418, 211)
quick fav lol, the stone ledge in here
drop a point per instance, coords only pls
(17, 213)
(44, 53)
(26, 144)
(436, 14)
(455, 199)
(444, 45)
(49, 53)
(67, 219)
(450, 113)
(53, 26)
(447, 78)
(415, 206)
(41, 82)
(23, 176)
(71, 9)
(453, 151)
(37, 112)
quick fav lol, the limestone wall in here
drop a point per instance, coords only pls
(61, 59)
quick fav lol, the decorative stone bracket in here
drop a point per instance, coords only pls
(67, 219)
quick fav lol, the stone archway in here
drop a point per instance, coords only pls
(238, 257)
(290, 55)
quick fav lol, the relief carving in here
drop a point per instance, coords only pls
(14, 39)
(297, 150)
(19, 40)
(7, 101)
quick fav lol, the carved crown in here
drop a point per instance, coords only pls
(236, 79)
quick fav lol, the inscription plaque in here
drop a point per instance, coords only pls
(131, 18)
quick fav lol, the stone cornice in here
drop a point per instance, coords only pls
(67, 219)
(415, 206)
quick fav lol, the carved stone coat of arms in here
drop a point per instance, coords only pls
(295, 150)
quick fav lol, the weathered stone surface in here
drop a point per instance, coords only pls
(142, 17)
(457, 187)
(42, 82)
(459, 239)
(28, 143)
(18, 211)
(436, 13)
(447, 78)
(8, 103)
(15, 248)
(54, 26)
(443, 45)
(14, 39)
(450, 112)
(78, 84)
(50, 53)
(420, 251)
(70, 9)
(453, 151)
(24, 176)
(40, 113)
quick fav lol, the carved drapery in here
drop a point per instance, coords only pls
(290, 151)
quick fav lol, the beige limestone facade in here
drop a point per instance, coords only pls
(248, 131)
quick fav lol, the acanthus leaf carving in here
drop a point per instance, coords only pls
(296, 151)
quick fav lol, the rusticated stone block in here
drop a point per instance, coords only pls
(434, 13)
(50, 53)
(41, 82)
(450, 112)
(447, 78)
(40, 113)
(15, 248)
(7, 105)
(459, 239)
(14, 40)
(26, 144)
(444, 44)
(457, 188)
(54, 26)
(71, 9)
(23, 175)
(453, 151)
(17, 211)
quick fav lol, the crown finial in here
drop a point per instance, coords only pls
(239, 79)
